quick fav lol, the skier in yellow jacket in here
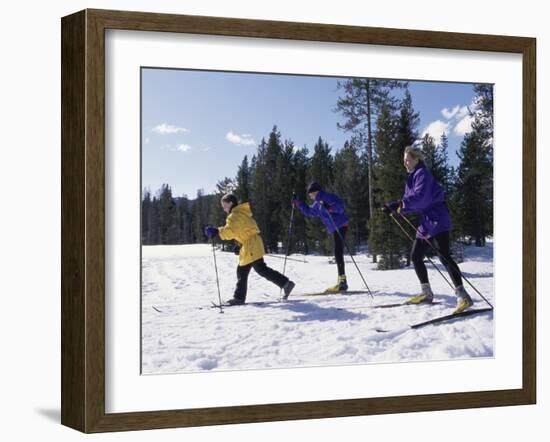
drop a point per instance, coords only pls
(241, 227)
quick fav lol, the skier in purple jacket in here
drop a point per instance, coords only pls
(425, 197)
(331, 210)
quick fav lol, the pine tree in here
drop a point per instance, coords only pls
(446, 177)
(320, 170)
(446, 173)
(321, 165)
(407, 123)
(285, 185)
(185, 220)
(452, 198)
(484, 102)
(435, 159)
(300, 166)
(259, 179)
(475, 188)
(483, 125)
(274, 229)
(427, 145)
(179, 222)
(385, 240)
(474, 196)
(350, 185)
(243, 181)
(199, 215)
(406, 135)
(145, 209)
(362, 101)
(154, 236)
(396, 129)
(167, 212)
(265, 200)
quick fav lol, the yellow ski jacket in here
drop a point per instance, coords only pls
(241, 227)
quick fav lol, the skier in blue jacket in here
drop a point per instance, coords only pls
(331, 210)
(425, 197)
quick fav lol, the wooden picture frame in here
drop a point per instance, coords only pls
(83, 220)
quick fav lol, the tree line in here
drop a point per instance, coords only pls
(365, 172)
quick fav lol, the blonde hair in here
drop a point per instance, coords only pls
(415, 152)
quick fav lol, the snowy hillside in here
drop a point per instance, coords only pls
(181, 333)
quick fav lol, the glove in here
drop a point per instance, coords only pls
(392, 207)
(236, 249)
(295, 201)
(210, 231)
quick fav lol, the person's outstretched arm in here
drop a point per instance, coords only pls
(305, 209)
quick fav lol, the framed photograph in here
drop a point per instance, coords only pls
(268, 221)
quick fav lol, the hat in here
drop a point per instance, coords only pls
(230, 198)
(314, 187)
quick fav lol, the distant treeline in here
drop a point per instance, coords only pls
(365, 172)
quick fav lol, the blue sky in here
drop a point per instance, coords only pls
(197, 126)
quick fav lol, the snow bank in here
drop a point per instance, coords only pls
(181, 333)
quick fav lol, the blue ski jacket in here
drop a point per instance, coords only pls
(336, 210)
(424, 196)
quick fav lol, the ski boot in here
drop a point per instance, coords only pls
(288, 287)
(235, 301)
(341, 286)
(463, 300)
(426, 297)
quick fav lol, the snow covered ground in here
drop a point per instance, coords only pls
(181, 333)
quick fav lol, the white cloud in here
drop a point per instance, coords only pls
(147, 139)
(464, 126)
(458, 116)
(458, 112)
(463, 112)
(244, 139)
(183, 148)
(450, 113)
(165, 128)
(436, 129)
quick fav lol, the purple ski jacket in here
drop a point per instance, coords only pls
(337, 210)
(424, 196)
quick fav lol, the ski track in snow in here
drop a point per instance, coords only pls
(181, 333)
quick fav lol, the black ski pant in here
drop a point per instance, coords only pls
(261, 269)
(339, 249)
(441, 243)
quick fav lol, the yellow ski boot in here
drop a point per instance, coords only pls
(463, 300)
(341, 286)
(426, 297)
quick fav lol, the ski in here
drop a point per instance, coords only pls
(254, 303)
(294, 300)
(290, 301)
(440, 319)
(348, 292)
(402, 304)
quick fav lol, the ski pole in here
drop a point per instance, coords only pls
(348, 249)
(289, 235)
(447, 261)
(217, 278)
(429, 259)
